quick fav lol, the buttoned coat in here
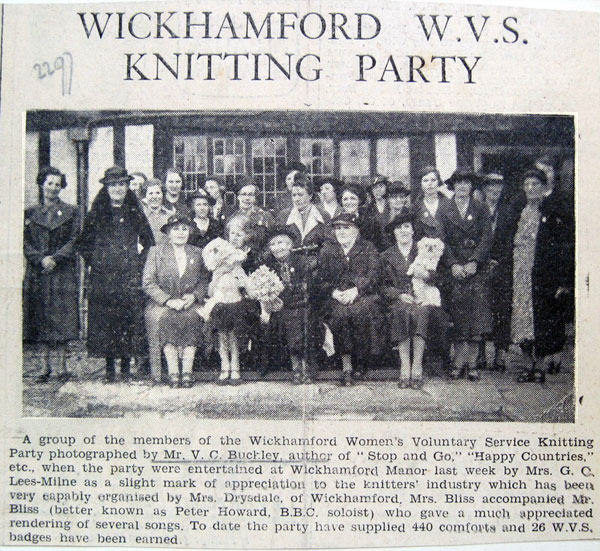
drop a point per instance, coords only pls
(468, 239)
(51, 312)
(115, 249)
(553, 267)
(356, 327)
(161, 281)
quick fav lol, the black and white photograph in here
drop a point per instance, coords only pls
(369, 265)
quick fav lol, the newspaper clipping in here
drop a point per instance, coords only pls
(298, 274)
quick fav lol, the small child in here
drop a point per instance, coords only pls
(226, 307)
(292, 321)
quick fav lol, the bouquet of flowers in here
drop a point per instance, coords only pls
(265, 286)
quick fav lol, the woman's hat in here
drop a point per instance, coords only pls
(398, 188)
(535, 173)
(321, 180)
(244, 181)
(379, 180)
(280, 230)
(356, 189)
(344, 219)
(200, 194)
(492, 178)
(405, 216)
(115, 174)
(461, 174)
(175, 219)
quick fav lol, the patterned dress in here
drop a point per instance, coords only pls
(522, 322)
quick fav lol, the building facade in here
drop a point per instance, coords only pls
(353, 146)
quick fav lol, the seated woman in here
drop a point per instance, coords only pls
(293, 324)
(347, 280)
(175, 279)
(204, 228)
(409, 322)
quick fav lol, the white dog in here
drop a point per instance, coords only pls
(428, 256)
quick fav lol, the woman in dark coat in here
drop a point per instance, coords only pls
(468, 239)
(114, 242)
(204, 228)
(430, 205)
(535, 262)
(51, 312)
(347, 280)
(378, 208)
(410, 323)
(176, 281)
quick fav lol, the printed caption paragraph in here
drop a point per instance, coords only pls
(136, 490)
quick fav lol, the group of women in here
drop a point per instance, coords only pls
(343, 253)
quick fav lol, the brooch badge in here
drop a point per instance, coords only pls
(470, 217)
(59, 213)
(543, 219)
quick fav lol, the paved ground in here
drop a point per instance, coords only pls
(497, 397)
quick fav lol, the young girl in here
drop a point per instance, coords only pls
(229, 312)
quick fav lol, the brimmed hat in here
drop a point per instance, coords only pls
(406, 215)
(461, 174)
(244, 181)
(175, 219)
(535, 173)
(398, 188)
(337, 184)
(379, 180)
(200, 194)
(492, 178)
(280, 230)
(356, 189)
(115, 174)
(345, 218)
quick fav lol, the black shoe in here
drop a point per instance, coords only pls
(65, 376)
(347, 379)
(109, 378)
(359, 375)
(457, 373)
(474, 375)
(43, 379)
(532, 376)
(554, 367)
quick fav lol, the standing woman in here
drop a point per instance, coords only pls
(51, 311)
(204, 227)
(216, 189)
(378, 208)
(247, 192)
(152, 203)
(468, 238)
(303, 218)
(353, 199)
(431, 204)
(537, 263)
(174, 199)
(175, 279)
(114, 242)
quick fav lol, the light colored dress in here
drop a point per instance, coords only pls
(522, 324)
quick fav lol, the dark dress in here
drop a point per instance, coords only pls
(407, 320)
(468, 239)
(294, 324)
(370, 230)
(553, 267)
(199, 239)
(161, 282)
(114, 243)
(50, 302)
(356, 327)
